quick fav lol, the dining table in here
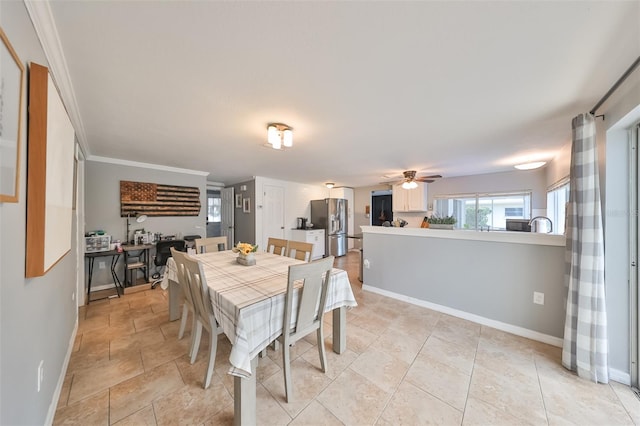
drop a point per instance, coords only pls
(248, 303)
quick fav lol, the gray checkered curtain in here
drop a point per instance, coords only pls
(585, 347)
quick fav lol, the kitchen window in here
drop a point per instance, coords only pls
(557, 198)
(484, 211)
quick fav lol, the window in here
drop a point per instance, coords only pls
(213, 209)
(484, 211)
(557, 198)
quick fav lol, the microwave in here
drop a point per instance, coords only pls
(520, 225)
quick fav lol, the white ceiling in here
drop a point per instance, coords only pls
(370, 88)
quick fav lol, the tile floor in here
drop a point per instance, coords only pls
(404, 365)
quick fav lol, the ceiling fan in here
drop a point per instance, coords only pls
(409, 180)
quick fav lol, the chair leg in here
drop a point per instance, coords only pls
(286, 366)
(183, 320)
(321, 350)
(194, 321)
(213, 347)
(196, 341)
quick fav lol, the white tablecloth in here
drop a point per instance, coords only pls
(248, 301)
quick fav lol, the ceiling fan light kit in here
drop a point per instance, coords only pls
(410, 181)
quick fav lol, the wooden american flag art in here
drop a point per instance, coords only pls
(158, 200)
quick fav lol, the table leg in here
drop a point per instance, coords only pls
(244, 398)
(339, 330)
(90, 277)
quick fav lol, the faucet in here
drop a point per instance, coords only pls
(532, 222)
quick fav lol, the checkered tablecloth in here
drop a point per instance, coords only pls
(248, 301)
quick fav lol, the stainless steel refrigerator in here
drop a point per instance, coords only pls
(330, 214)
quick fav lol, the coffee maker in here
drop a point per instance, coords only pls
(302, 223)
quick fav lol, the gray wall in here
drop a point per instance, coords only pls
(245, 223)
(37, 316)
(102, 205)
(489, 279)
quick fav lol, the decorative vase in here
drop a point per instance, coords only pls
(246, 259)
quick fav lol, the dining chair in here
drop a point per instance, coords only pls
(211, 244)
(311, 296)
(300, 250)
(277, 246)
(188, 305)
(204, 315)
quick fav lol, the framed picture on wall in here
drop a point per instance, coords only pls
(246, 205)
(238, 201)
(11, 97)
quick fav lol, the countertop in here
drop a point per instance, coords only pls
(491, 236)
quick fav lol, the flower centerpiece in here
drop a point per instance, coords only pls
(246, 253)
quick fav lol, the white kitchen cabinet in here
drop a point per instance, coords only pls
(410, 200)
(313, 236)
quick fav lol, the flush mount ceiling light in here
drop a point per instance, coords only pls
(329, 185)
(279, 135)
(530, 166)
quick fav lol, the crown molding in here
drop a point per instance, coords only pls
(45, 26)
(130, 163)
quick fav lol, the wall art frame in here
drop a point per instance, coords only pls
(11, 105)
(50, 174)
(246, 205)
(238, 201)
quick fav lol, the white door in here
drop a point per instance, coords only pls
(227, 224)
(272, 213)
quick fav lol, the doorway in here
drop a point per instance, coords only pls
(381, 207)
(214, 213)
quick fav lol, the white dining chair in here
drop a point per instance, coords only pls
(204, 315)
(277, 246)
(312, 296)
(211, 244)
(187, 305)
(300, 250)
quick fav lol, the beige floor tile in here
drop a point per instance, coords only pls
(136, 393)
(440, 380)
(480, 413)
(267, 368)
(412, 406)
(629, 400)
(400, 345)
(268, 410)
(143, 417)
(89, 356)
(384, 370)
(336, 363)
(151, 320)
(457, 331)
(103, 375)
(93, 323)
(64, 392)
(371, 321)
(353, 399)
(307, 381)
(136, 341)
(417, 322)
(520, 399)
(106, 334)
(507, 363)
(359, 339)
(315, 414)
(163, 352)
(456, 356)
(172, 328)
(90, 411)
(192, 404)
(223, 418)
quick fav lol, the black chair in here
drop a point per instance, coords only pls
(163, 252)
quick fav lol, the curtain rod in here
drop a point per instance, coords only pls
(615, 86)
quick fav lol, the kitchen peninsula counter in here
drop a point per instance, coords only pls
(486, 277)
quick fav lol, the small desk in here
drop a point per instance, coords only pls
(115, 255)
(133, 251)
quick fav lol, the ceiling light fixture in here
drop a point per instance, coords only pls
(409, 185)
(329, 185)
(530, 166)
(279, 135)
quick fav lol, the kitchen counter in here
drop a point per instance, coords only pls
(486, 277)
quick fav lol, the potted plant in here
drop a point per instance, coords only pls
(445, 222)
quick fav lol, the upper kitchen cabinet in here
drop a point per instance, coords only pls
(410, 200)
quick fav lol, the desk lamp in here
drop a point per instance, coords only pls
(139, 219)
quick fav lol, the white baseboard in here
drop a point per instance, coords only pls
(56, 393)
(509, 328)
(620, 376)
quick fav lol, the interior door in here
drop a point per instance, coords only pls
(272, 213)
(227, 221)
(214, 213)
(634, 286)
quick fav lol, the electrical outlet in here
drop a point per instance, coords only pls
(367, 264)
(40, 374)
(538, 298)
(73, 296)
(102, 265)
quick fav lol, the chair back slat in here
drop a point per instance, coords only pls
(277, 246)
(180, 259)
(300, 250)
(211, 244)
